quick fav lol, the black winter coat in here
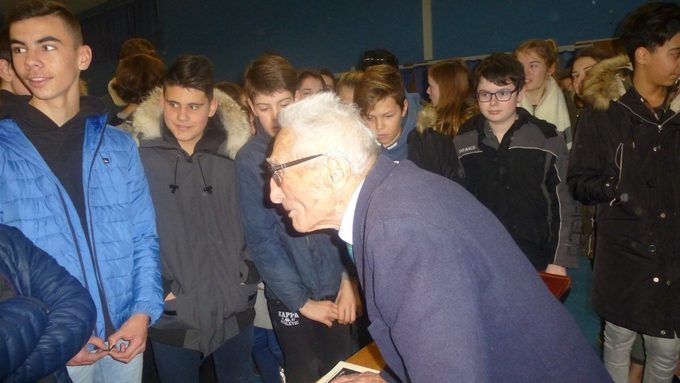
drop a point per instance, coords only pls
(435, 152)
(46, 315)
(523, 184)
(626, 160)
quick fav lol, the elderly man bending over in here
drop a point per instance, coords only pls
(448, 293)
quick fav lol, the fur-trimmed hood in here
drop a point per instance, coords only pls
(114, 95)
(427, 118)
(609, 80)
(147, 121)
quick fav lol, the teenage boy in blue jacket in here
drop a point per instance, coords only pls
(76, 188)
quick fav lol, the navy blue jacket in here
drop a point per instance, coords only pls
(449, 294)
(294, 267)
(46, 315)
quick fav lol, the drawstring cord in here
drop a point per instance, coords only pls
(173, 185)
(206, 188)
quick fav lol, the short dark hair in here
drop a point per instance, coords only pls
(304, 74)
(649, 26)
(328, 73)
(29, 9)
(135, 46)
(136, 76)
(5, 51)
(269, 73)
(378, 56)
(191, 71)
(500, 69)
(595, 53)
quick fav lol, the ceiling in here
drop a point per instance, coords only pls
(75, 6)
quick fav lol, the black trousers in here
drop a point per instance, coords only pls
(310, 349)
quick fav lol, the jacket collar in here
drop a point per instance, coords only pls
(522, 117)
(230, 118)
(632, 101)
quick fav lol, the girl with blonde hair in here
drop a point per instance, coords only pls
(543, 97)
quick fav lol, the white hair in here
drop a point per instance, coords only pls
(323, 124)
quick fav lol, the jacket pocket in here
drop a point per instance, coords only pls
(177, 315)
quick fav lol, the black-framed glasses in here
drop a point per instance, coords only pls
(274, 171)
(501, 95)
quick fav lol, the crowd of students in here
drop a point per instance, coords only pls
(178, 227)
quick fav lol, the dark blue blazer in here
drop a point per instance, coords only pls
(449, 295)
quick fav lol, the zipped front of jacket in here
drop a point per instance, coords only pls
(34, 158)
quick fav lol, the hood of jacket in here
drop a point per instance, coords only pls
(609, 80)
(147, 124)
(114, 95)
(427, 118)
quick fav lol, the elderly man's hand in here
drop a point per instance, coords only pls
(321, 311)
(84, 357)
(348, 302)
(366, 377)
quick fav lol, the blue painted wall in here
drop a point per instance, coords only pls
(332, 34)
(468, 28)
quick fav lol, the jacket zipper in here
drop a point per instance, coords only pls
(74, 239)
(659, 125)
(108, 323)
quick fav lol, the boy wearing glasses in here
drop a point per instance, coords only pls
(515, 164)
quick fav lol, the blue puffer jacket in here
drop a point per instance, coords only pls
(46, 315)
(120, 215)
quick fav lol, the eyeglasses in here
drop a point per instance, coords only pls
(501, 95)
(274, 171)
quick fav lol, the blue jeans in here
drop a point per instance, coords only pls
(233, 362)
(267, 355)
(108, 370)
(662, 355)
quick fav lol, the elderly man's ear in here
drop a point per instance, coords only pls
(339, 172)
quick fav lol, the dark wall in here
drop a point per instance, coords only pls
(314, 33)
(467, 28)
(332, 34)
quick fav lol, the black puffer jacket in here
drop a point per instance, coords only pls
(626, 159)
(46, 315)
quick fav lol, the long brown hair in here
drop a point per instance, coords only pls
(454, 106)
